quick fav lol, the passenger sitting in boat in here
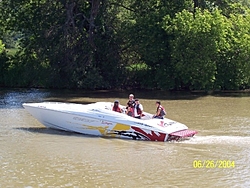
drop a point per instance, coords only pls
(160, 111)
(138, 109)
(130, 110)
(116, 107)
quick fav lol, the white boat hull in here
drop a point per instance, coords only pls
(99, 120)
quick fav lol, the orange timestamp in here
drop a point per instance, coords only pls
(213, 164)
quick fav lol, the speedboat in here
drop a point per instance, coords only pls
(98, 119)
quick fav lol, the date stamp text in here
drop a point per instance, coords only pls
(213, 164)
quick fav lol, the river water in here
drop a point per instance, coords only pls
(33, 156)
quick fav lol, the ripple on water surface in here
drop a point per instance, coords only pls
(33, 156)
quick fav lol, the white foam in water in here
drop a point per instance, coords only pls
(215, 139)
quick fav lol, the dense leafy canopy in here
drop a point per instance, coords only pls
(97, 44)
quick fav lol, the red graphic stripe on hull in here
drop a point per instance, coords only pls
(151, 136)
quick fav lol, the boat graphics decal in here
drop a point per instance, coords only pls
(129, 134)
(169, 123)
(101, 129)
(165, 124)
(122, 130)
(161, 123)
(87, 120)
(144, 124)
(105, 130)
(120, 126)
(119, 130)
(107, 122)
(151, 135)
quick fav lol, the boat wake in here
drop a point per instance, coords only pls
(215, 139)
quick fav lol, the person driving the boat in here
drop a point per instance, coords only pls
(116, 107)
(138, 109)
(160, 111)
(131, 101)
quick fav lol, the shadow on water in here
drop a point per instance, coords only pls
(13, 98)
(49, 131)
(44, 130)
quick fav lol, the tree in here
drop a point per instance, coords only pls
(3, 60)
(233, 64)
(62, 37)
(148, 43)
(194, 46)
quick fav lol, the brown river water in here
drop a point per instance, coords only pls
(33, 156)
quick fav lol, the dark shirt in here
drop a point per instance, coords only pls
(131, 103)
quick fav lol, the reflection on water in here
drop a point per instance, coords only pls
(15, 98)
(34, 156)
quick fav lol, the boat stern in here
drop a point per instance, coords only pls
(175, 131)
(180, 135)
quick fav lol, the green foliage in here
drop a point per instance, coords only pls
(149, 43)
(3, 65)
(74, 37)
(22, 71)
(131, 43)
(10, 39)
(194, 47)
(233, 65)
(207, 50)
(2, 47)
